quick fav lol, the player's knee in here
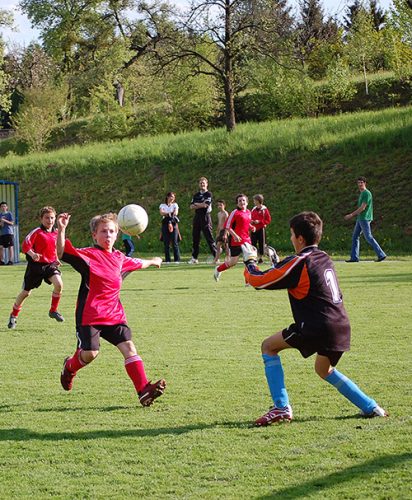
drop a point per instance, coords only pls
(323, 372)
(89, 356)
(266, 347)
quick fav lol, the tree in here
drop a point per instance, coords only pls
(363, 44)
(218, 36)
(38, 115)
(6, 19)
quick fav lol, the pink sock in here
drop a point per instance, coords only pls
(74, 363)
(135, 370)
(223, 267)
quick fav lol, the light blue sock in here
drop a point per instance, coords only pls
(276, 380)
(351, 391)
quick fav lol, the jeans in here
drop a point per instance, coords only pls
(364, 227)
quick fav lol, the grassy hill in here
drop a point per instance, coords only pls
(305, 164)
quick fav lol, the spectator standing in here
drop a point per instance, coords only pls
(364, 217)
(202, 222)
(170, 230)
(260, 219)
(6, 233)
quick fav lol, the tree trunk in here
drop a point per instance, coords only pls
(365, 76)
(119, 93)
(228, 76)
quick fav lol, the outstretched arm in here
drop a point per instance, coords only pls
(156, 261)
(62, 223)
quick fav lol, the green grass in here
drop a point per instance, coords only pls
(297, 164)
(196, 441)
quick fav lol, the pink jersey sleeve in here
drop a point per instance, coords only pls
(130, 264)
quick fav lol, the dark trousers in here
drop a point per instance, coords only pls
(168, 238)
(202, 226)
(128, 247)
(258, 239)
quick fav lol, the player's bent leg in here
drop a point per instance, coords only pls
(368, 406)
(133, 363)
(71, 365)
(57, 283)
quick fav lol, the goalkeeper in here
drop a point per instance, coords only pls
(321, 324)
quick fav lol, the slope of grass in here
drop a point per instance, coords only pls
(297, 164)
(196, 441)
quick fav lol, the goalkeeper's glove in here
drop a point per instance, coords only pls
(271, 253)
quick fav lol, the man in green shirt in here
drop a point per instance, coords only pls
(364, 217)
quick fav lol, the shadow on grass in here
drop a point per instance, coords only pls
(18, 434)
(321, 484)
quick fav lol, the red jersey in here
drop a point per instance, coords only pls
(98, 301)
(239, 221)
(42, 242)
(262, 215)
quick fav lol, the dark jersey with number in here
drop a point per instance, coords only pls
(314, 295)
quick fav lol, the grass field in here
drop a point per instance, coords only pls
(196, 441)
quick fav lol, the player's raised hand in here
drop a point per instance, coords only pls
(157, 261)
(63, 220)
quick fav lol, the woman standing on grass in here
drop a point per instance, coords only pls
(170, 230)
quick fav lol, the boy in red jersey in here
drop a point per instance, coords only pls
(99, 312)
(42, 265)
(260, 219)
(321, 324)
(238, 225)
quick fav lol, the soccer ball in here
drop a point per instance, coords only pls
(132, 219)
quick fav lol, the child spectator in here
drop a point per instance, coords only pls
(221, 233)
(260, 219)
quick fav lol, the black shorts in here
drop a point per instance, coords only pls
(36, 272)
(6, 240)
(308, 345)
(235, 251)
(88, 337)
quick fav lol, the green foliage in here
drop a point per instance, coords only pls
(339, 87)
(5, 100)
(196, 441)
(282, 93)
(297, 164)
(38, 115)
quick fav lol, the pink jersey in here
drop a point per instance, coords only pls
(98, 301)
(239, 222)
(42, 242)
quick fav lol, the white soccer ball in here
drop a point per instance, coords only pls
(132, 219)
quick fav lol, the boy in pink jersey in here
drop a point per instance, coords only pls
(99, 312)
(238, 225)
(42, 265)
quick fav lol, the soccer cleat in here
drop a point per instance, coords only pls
(271, 253)
(151, 392)
(193, 261)
(56, 315)
(275, 415)
(216, 275)
(66, 377)
(12, 322)
(376, 412)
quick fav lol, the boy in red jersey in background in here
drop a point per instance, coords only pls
(238, 225)
(321, 324)
(260, 219)
(42, 265)
(99, 312)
